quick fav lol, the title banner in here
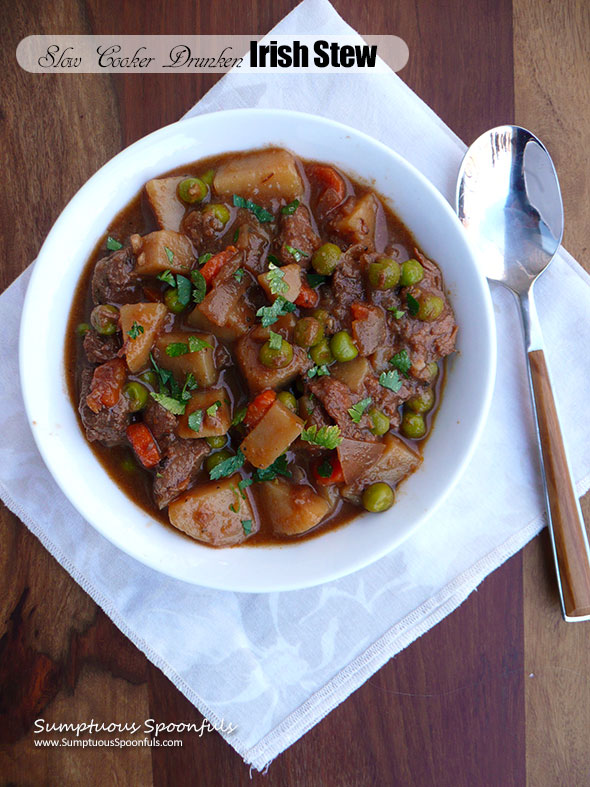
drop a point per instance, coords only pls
(322, 54)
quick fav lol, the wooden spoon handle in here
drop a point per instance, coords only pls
(569, 533)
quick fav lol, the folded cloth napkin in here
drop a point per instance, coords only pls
(273, 665)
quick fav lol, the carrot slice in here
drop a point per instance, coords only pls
(212, 267)
(328, 178)
(258, 407)
(359, 311)
(335, 477)
(308, 298)
(143, 444)
(107, 383)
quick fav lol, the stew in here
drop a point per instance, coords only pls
(255, 349)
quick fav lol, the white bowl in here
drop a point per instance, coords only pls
(461, 415)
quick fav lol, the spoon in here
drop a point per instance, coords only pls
(509, 201)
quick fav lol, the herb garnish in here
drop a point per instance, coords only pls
(189, 385)
(289, 210)
(402, 362)
(195, 420)
(356, 411)
(236, 235)
(169, 403)
(239, 416)
(326, 436)
(195, 344)
(228, 466)
(275, 340)
(325, 469)
(413, 305)
(247, 526)
(244, 484)
(397, 313)
(204, 258)
(168, 277)
(315, 279)
(200, 286)
(212, 409)
(391, 380)
(270, 314)
(239, 275)
(174, 349)
(135, 330)
(275, 278)
(169, 254)
(297, 253)
(113, 245)
(261, 214)
(318, 371)
(278, 467)
(275, 260)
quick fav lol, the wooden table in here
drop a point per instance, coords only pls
(499, 692)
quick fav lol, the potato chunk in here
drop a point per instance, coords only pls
(260, 377)
(397, 461)
(291, 279)
(216, 424)
(291, 509)
(150, 317)
(358, 226)
(161, 251)
(272, 435)
(168, 209)
(201, 363)
(356, 455)
(261, 176)
(352, 373)
(216, 513)
(224, 311)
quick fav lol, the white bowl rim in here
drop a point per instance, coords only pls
(258, 585)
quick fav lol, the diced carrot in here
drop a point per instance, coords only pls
(258, 407)
(335, 477)
(212, 267)
(359, 311)
(107, 383)
(308, 298)
(329, 179)
(143, 444)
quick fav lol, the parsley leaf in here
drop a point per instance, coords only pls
(297, 253)
(413, 304)
(195, 420)
(275, 281)
(135, 330)
(174, 349)
(318, 371)
(397, 313)
(391, 380)
(200, 286)
(270, 314)
(325, 436)
(239, 416)
(239, 275)
(113, 245)
(315, 279)
(167, 277)
(204, 258)
(278, 467)
(275, 260)
(357, 410)
(247, 526)
(213, 408)
(275, 340)
(169, 403)
(401, 361)
(244, 484)
(236, 235)
(189, 385)
(195, 344)
(169, 254)
(228, 466)
(289, 210)
(325, 469)
(261, 214)
(164, 376)
(183, 290)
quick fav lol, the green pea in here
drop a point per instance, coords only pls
(220, 212)
(378, 497)
(325, 259)
(433, 370)
(287, 398)
(430, 307)
(379, 422)
(128, 465)
(149, 378)
(172, 301)
(384, 274)
(207, 177)
(276, 359)
(216, 459)
(105, 319)
(217, 441)
(342, 346)
(325, 319)
(413, 425)
(412, 273)
(192, 190)
(321, 353)
(82, 328)
(308, 332)
(137, 394)
(421, 402)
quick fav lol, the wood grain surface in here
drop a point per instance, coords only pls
(499, 692)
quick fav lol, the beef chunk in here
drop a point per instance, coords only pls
(161, 423)
(347, 285)
(99, 348)
(114, 280)
(337, 399)
(204, 230)
(252, 242)
(297, 231)
(179, 469)
(108, 425)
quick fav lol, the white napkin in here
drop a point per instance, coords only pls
(274, 664)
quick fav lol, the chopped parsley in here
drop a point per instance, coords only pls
(113, 245)
(239, 275)
(169, 254)
(200, 286)
(169, 403)
(204, 258)
(275, 340)
(326, 436)
(164, 376)
(183, 290)
(278, 467)
(195, 420)
(289, 210)
(413, 305)
(318, 371)
(213, 408)
(357, 410)
(261, 214)
(296, 253)
(168, 277)
(236, 235)
(271, 258)
(397, 313)
(325, 469)
(244, 484)
(391, 380)
(189, 385)
(270, 314)
(195, 344)
(275, 281)
(228, 466)
(135, 330)
(239, 416)
(315, 279)
(247, 526)
(401, 361)
(174, 349)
